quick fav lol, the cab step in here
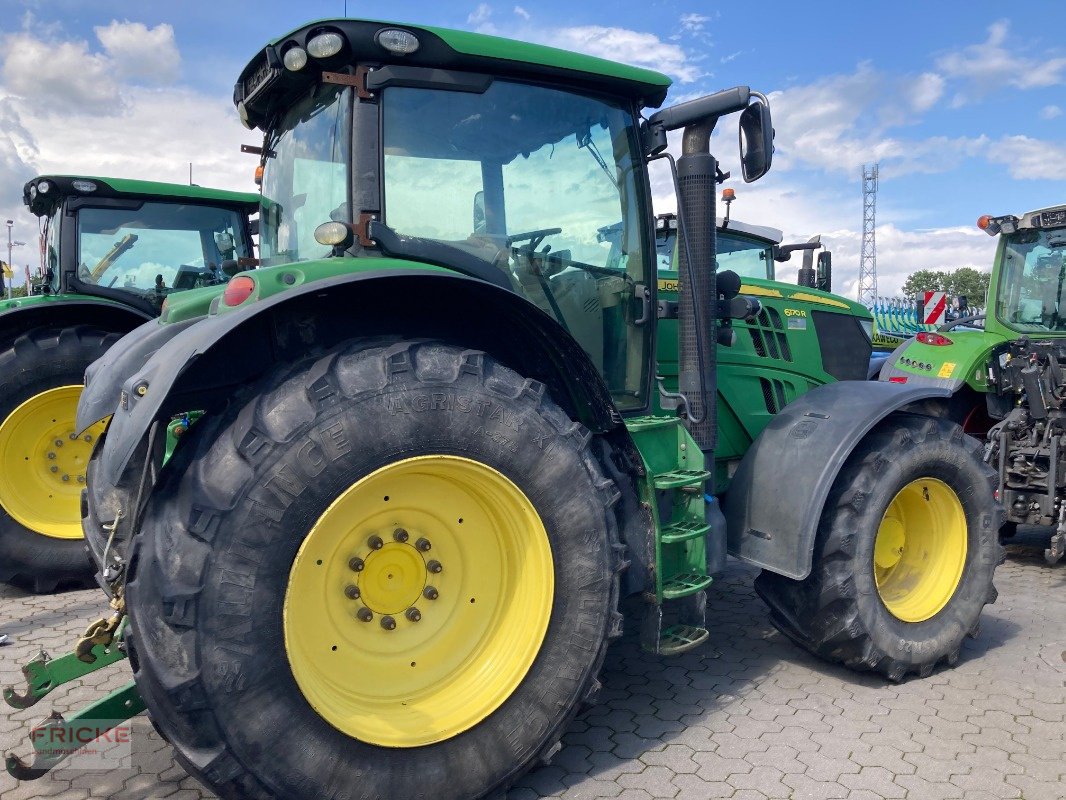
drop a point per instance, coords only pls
(685, 584)
(683, 530)
(678, 639)
(681, 478)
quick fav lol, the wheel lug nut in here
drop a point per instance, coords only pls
(88, 438)
(400, 535)
(413, 614)
(51, 455)
(81, 479)
(356, 565)
(434, 566)
(73, 437)
(54, 468)
(375, 543)
(423, 544)
(430, 593)
(351, 591)
(59, 442)
(388, 623)
(66, 477)
(364, 614)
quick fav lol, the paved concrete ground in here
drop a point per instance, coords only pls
(749, 717)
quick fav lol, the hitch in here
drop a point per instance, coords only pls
(44, 673)
(105, 715)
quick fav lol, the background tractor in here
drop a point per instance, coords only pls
(997, 370)
(428, 464)
(113, 249)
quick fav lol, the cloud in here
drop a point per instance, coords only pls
(521, 12)
(143, 54)
(694, 22)
(991, 64)
(631, 47)
(923, 92)
(1050, 112)
(65, 76)
(480, 15)
(1030, 159)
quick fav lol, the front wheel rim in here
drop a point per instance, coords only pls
(418, 601)
(43, 462)
(920, 550)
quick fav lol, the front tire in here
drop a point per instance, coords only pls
(42, 461)
(904, 556)
(393, 572)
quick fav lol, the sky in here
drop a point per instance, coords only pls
(963, 104)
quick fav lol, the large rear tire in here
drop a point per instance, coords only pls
(392, 572)
(904, 556)
(42, 461)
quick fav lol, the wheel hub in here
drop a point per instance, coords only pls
(431, 580)
(44, 461)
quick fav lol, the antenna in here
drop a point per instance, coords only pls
(868, 257)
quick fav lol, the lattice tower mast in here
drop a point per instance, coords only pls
(868, 257)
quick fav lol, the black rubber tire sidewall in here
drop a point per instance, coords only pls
(212, 664)
(34, 362)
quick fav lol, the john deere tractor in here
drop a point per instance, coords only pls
(389, 547)
(997, 372)
(114, 249)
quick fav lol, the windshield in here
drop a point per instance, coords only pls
(159, 247)
(1032, 283)
(749, 258)
(305, 176)
(527, 178)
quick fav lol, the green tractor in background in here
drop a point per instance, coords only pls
(114, 250)
(997, 371)
(421, 461)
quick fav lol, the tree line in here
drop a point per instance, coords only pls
(967, 281)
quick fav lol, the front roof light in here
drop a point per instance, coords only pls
(401, 43)
(295, 59)
(84, 186)
(333, 234)
(44, 187)
(325, 45)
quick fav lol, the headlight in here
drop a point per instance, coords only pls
(84, 186)
(399, 42)
(325, 45)
(333, 234)
(295, 59)
(44, 187)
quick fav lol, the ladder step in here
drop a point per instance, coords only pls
(641, 424)
(685, 584)
(683, 530)
(680, 478)
(679, 639)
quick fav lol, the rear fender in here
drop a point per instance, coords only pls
(59, 313)
(777, 494)
(206, 363)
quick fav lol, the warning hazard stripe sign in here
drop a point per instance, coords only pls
(935, 306)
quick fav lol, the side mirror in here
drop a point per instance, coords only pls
(756, 141)
(825, 271)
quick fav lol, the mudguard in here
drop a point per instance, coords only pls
(210, 359)
(19, 316)
(104, 377)
(776, 496)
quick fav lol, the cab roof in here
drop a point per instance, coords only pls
(60, 186)
(441, 48)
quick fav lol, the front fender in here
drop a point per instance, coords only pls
(776, 496)
(105, 376)
(203, 365)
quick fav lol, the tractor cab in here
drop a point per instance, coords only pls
(135, 242)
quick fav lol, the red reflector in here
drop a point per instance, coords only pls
(897, 379)
(935, 339)
(238, 290)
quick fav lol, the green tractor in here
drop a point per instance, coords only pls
(419, 462)
(996, 372)
(114, 250)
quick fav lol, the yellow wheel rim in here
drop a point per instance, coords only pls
(920, 550)
(418, 601)
(43, 461)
